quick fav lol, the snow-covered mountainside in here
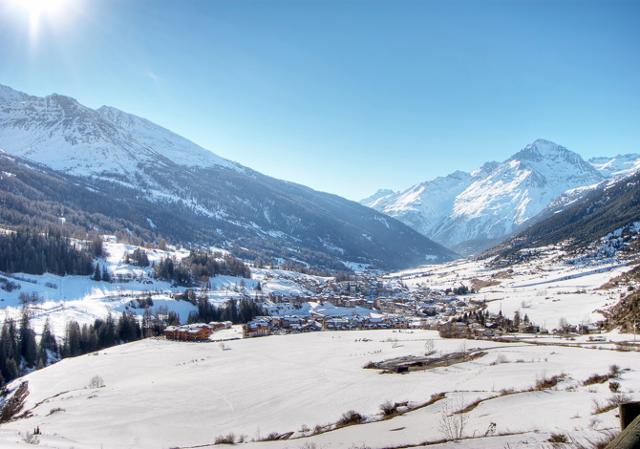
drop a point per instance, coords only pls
(599, 211)
(104, 142)
(114, 171)
(165, 142)
(471, 211)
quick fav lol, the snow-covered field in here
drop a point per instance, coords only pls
(161, 394)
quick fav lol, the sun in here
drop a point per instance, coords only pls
(39, 13)
(42, 8)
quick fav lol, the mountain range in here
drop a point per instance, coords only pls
(470, 212)
(104, 169)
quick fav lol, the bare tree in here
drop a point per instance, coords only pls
(429, 347)
(452, 418)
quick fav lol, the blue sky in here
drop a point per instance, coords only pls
(347, 96)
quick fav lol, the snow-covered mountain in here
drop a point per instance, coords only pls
(104, 143)
(471, 211)
(620, 165)
(607, 211)
(165, 142)
(113, 171)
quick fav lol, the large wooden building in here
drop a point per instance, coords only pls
(188, 332)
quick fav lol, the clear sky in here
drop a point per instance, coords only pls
(345, 96)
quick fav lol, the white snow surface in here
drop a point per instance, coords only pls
(161, 394)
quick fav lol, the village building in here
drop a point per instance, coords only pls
(188, 332)
(256, 328)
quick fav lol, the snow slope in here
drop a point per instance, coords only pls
(161, 394)
(165, 142)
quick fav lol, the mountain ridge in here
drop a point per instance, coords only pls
(147, 174)
(487, 205)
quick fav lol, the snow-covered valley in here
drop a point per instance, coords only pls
(311, 389)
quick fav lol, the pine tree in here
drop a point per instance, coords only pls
(27, 341)
(13, 343)
(97, 274)
(12, 371)
(7, 354)
(105, 275)
(72, 341)
(516, 320)
(106, 331)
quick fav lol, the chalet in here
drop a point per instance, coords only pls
(256, 328)
(454, 330)
(188, 332)
(217, 325)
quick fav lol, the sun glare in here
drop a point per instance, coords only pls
(53, 12)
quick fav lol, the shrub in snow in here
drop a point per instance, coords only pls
(96, 382)
(429, 347)
(349, 418)
(230, 438)
(614, 370)
(31, 438)
(387, 408)
(558, 438)
(501, 359)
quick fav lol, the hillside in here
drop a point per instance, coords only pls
(599, 212)
(111, 171)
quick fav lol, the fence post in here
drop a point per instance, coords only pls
(629, 438)
(628, 412)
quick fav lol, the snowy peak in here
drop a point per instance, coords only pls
(539, 149)
(380, 194)
(490, 203)
(553, 164)
(485, 169)
(9, 94)
(544, 156)
(60, 132)
(616, 166)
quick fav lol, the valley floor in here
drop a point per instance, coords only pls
(164, 394)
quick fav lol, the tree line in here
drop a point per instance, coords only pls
(234, 311)
(20, 354)
(35, 252)
(199, 266)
